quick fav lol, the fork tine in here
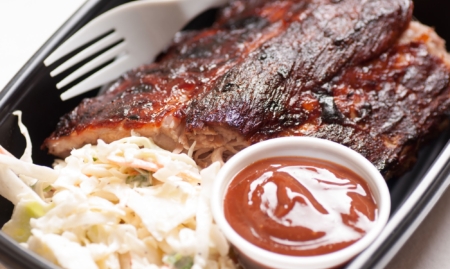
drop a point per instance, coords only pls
(101, 77)
(94, 63)
(89, 51)
(94, 29)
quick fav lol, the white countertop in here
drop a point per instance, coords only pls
(26, 24)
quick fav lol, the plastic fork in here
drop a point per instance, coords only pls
(136, 33)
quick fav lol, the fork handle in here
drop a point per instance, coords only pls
(192, 8)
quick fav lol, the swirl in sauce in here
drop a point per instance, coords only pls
(299, 206)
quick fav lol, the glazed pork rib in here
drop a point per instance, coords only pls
(387, 107)
(341, 70)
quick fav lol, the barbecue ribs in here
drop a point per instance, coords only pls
(356, 72)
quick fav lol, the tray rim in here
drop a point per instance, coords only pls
(12, 254)
(409, 215)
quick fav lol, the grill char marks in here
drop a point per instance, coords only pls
(319, 41)
(337, 70)
(190, 67)
(387, 106)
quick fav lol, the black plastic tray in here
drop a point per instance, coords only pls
(33, 91)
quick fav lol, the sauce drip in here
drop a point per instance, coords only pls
(299, 206)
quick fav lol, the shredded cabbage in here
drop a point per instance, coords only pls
(127, 204)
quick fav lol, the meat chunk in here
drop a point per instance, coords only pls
(313, 47)
(341, 70)
(386, 107)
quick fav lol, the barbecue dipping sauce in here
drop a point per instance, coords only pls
(299, 206)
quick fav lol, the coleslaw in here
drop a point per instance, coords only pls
(127, 204)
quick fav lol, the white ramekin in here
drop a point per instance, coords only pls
(255, 257)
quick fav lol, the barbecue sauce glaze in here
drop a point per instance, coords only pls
(299, 206)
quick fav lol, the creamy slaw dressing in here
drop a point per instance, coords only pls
(127, 204)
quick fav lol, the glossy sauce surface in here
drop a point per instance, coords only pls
(299, 206)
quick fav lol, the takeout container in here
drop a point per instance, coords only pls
(309, 147)
(33, 91)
